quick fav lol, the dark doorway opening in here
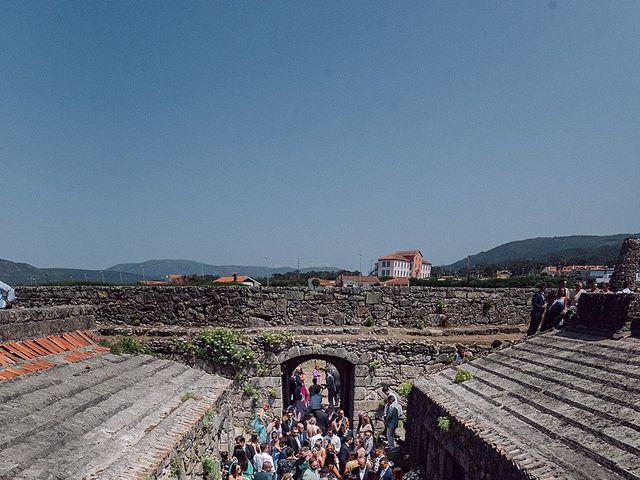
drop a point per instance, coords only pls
(344, 368)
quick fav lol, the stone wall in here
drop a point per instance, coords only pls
(21, 323)
(245, 307)
(457, 452)
(376, 362)
(206, 439)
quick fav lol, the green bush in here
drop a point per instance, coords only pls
(420, 324)
(405, 388)
(443, 423)
(369, 321)
(276, 339)
(222, 346)
(462, 375)
(211, 468)
(128, 344)
(375, 364)
(441, 306)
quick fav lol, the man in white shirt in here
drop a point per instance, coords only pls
(259, 459)
(7, 296)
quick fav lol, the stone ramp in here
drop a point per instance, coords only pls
(558, 405)
(103, 417)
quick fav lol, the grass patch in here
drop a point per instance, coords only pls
(405, 388)
(128, 344)
(443, 423)
(462, 375)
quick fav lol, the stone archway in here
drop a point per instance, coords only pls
(345, 368)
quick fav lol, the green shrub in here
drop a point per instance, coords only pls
(276, 339)
(441, 306)
(249, 390)
(443, 423)
(188, 396)
(375, 364)
(128, 344)
(211, 468)
(462, 375)
(450, 358)
(405, 388)
(222, 346)
(369, 321)
(208, 417)
(420, 324)
(488, 304)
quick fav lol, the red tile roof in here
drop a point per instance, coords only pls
(21, 358)
(230, 279)
(397, 281)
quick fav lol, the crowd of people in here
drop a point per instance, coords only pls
(314, 439)
(549, 309)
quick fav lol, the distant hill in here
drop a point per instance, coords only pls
(24, 274)
(158, 269)
(541, 251)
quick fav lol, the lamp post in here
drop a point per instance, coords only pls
(360, 266)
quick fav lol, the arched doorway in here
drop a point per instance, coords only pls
(345, 369)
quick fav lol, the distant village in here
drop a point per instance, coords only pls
(399, 269)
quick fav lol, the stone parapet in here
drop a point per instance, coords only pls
(276, 306)
(21, 323)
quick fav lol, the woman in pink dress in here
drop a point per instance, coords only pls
(304, 391)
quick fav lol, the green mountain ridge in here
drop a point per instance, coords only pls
(24, 274)
(540, 251)
(159, 269)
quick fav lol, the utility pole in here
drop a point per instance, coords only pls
(360, 266)
(102, 274)
(266, 269)
(468, 270)
(120, 270)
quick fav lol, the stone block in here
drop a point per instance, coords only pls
(373, 298)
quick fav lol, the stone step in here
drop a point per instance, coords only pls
(167, 432)
(559, 391)
(73, 416)
(38, 409)
(507, 427)
(578, 374)
(614, 366)
(50, 392)
(126, 426)
(517, 417)
(601, 351)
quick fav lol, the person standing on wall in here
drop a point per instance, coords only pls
(391, 422)
(538, 305)
(7, 296)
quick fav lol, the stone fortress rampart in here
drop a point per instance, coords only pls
(247, 307)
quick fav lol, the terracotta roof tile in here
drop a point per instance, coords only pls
(24, 355)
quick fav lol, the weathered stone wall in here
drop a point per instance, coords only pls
(21, 323)
(377, 361)
(457, 452)
(206, 439)
(626, 265)
(244, 307)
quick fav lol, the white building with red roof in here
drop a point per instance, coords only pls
(403, 264)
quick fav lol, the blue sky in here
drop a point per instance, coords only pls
(229, 131)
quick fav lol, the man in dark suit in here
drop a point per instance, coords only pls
(322, 420)
(537, 309)
(293, 440)
(362, 471)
